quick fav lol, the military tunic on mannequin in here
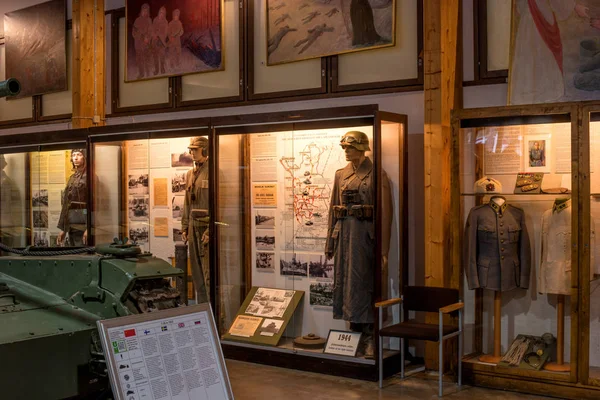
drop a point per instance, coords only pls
(351, 235)
(195, 220)
(73, 214)
(10, 201)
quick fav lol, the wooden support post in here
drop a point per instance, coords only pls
(88, 63)
(495, 358)
(443, 92)
(559, 365)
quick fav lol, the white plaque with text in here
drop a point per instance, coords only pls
(342, 343)
(166, 355)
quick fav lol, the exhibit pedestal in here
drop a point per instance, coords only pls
(559, 365)
(495, 358)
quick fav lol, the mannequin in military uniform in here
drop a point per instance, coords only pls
(351, 237)
(194, 223)
(73, 214)
(10, 201)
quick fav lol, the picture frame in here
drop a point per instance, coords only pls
(537, 153)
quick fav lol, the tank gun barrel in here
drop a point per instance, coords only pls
(10, 87)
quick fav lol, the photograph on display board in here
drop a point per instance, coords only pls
(138, 233)
(320, 267)
(538, 153)
(41, 239)
(139, 207)
(293, 264)
(301, 29)
(177, 207)
(271, 327)
(172, 37)
(178, 181)
(35, 40)
(138, 184)
(181, 159)
(265, 261)
(177, 235)
(321, 294)
(554, 52)
(265, 239)
(40, 198)
(40, 218)
(264, 218)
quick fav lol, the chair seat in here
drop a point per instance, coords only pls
(417, 330)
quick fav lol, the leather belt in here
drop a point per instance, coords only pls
(359, 212)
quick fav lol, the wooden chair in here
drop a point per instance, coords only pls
(428, 299)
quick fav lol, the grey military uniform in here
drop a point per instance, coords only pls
(351, 239)
(497, 248)
(195, 223)
(73, 214)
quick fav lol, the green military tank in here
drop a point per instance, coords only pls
(49, 305)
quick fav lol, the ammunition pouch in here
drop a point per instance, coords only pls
(350, 196)
(360, 212)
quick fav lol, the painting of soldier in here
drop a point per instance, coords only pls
(172, 37)
(302, 29)
(36, 52)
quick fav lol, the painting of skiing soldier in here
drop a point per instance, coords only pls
(302, 29)
(36, 51)
(172, 37)
(555, 51)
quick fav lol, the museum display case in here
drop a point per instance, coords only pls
(139, 186)
(307, 240)
(525, 250)
(43, 195)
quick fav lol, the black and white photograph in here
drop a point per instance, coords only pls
(265, 239)
(40, 239)
(321, 294)
(320, 267)
(138, 184)
(183, 159)
(265, 261)
(40, 218)
(139, 207)
(177, 207)
(264, 218)
(294, 264)
(177, 235)
(271, 327)
(270, 303)
(138, 233)
(178, 181)
(40, 198)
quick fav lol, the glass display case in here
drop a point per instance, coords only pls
(43, 196)
(142, 187)
(524, 232)
(310, 227)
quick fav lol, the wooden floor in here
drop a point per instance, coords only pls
(254, 381)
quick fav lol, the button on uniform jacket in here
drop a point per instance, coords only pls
(497, 248)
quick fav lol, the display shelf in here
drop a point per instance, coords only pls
(517, 194)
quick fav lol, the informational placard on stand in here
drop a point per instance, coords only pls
(166, 355)
(342, 343)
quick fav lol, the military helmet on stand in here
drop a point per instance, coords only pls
(357, 139)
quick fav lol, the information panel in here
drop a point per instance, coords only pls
(167, 355)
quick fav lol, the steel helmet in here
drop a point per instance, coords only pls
(357, 139)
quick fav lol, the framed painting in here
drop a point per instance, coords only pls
(173, 37)
(554, 51)
(303, 29)
(36, 52)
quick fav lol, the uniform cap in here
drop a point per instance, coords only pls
(357, 139)
(82, 151)
(487, 185)
(146, 6)
(198, 142)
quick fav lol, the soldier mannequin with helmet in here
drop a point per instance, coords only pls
(351, 238)
(73, 214)
(195, 220)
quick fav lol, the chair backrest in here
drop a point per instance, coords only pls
(427, 298)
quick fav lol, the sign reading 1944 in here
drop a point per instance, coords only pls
(342, 343)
